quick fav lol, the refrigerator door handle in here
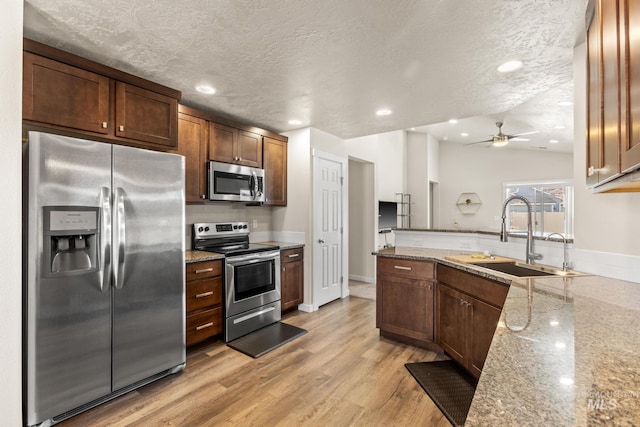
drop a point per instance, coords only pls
(105, 238)
(119, 238)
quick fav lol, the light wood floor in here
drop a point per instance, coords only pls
(341, 373)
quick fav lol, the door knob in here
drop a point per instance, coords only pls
(320, 240)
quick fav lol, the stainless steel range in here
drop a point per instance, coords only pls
(252, 276)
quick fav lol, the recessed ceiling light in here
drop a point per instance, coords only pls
(509, 66)
(559, 127)
(464, 134)
(445, 138)
(208, 90)
(412, 128)
(383, 112)
(295, 122)
(565, 103)
(453, 121)
(553, 141)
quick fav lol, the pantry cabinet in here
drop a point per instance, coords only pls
(68, 93)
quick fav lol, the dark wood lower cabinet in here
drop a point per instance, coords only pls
(468, 308)
(291, 278)
(204, 289)
(405, 301)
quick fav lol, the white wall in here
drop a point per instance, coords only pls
(362, 211)
(475, 169)
(603, 222)
(10, 216)
(418, 177)
(296, 216)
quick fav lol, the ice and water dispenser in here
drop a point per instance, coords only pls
(71, 239)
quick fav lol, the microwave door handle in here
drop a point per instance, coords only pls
(254, 185)
(105, 238)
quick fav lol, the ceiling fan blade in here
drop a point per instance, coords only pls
(522, 134)
(480, 142)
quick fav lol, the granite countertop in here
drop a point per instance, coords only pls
(565, 352)
(197, 256)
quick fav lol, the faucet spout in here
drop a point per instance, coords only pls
(565, 263)
(530, 253)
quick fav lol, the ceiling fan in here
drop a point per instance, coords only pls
(500, 139)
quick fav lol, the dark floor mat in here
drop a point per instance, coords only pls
(264, 340)
(449, 386)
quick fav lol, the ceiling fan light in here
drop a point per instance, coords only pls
(510, 66)
(500, 141)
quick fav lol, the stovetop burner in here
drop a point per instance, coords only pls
(229, 238)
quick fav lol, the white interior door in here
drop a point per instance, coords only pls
(327, 219)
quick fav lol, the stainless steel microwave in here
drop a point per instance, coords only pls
(235, 183)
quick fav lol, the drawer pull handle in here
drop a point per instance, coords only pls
(204, 270)
(400, 267)
(205, 326)
(294, 255)
(204, 294)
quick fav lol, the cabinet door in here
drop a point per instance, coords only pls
(405, 307)
(594, 99)
(630, 75)
(483, 321)
(59, 94)
(610, 152)
(452, 323)
(222, 142)
(292, 278)
(249, 149)
(192, 144)
(274, 162)
(146, 116)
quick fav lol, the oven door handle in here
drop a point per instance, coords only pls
(252, 258)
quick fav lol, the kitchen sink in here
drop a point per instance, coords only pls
(526, 270)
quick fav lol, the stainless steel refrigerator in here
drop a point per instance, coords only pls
(103, 274)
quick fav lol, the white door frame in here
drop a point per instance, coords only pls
(316, 226)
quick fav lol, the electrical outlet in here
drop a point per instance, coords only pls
(255, 224)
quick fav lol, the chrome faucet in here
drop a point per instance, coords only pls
(530, 255)
(565, 264)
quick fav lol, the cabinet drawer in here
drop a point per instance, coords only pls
(291, 255)
(406, 268)
(203, 293)
(201, 270)
(203, 325)
(483, 289)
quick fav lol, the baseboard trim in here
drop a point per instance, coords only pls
(364, 279)
(307, 308)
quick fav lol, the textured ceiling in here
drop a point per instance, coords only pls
(329, 63)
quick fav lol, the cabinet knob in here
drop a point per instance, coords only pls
(121, 128)
(284, 269)
(204, 197)
(104, 125)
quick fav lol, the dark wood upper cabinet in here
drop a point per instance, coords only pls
(630, 66)
(232, 145)
(222, 142)
(71, 94)
(274, 161)
(613, 96)
(192, 144)
(63, 95)
(147, 116)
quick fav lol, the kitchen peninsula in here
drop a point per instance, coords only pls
(564, 351)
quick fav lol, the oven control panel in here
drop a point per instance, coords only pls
(203, 230)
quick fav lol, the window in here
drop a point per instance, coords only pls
(551, 203)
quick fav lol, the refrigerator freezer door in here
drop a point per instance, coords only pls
(68, 329)
(148, 259)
